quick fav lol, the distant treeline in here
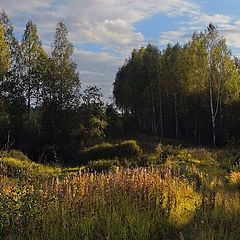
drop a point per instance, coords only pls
(189, 91)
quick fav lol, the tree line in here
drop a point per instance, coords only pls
(42, 110)
(189, 91)
(186, 91)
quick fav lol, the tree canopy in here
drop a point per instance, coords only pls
(183, 91)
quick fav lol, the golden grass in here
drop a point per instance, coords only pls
(183, 201)
(13, 166)
(234, 178)
(124, 195)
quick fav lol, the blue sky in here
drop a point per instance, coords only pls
(105, 31)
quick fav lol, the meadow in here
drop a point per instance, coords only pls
(172, 193)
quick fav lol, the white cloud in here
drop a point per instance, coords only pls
(97, 69)
(228, 28)
(15, 7)
(110, 23)
(173, 37)
(109, 32)
(101, 21)
(232, 34)
(197, 21)
(200, 18)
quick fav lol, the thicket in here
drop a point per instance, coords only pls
(125, 150)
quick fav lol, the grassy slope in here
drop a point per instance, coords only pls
(194, 195)
(14, 164)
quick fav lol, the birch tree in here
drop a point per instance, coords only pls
(218, 55)
(31, 52)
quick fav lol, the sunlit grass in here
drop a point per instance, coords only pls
(12, 166)
(183, 200)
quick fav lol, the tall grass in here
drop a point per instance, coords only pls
(138, 203)
(167, 202)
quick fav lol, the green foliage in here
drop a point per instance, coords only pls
(170, 93)
(114, 122)
(14, 154)
(164, 152)
(127, 149)
(103, 165)
(234, 179)
(18, 209)
(32, 53)
(93, 120)
(105, 201)
(126, 204)
(12, 101)
(5, 58)
(16, 164)
(169, 153)
(201, 157)
(141, 161)
(96, 128)
(61, 83)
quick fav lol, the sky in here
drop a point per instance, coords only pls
(104, 32)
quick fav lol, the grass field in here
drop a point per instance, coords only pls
(177, 193)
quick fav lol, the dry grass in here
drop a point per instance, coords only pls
(234, 178)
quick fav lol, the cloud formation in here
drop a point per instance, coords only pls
(97, 69)
(101, 21)
(111, 25)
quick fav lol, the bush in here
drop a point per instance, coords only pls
(142, 161)
(128, 149)
(14, 154)
(15, 163)
(168, 153)
(103, 165)
(163, 152)
(124, 150)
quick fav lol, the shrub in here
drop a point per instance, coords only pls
(229, 159)
(14, 154)
(171, 154)
(127, 149)
(103, 165)
(234, 162)
(19, 208)
(143, 161)
(203, 156)
(15, 163)
(163, 152)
